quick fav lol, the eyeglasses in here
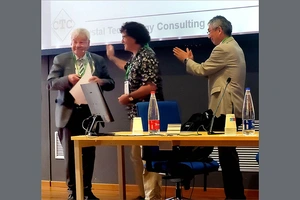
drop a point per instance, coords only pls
(209, 31)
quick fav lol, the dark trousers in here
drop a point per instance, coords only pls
(232, 176)
(74, 128)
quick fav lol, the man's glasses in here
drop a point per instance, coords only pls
(209, 31)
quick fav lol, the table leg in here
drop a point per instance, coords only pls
(121, 172)
(78, 170)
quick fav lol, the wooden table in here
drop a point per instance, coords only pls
(124, 138)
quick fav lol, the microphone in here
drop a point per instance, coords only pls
(214, 115)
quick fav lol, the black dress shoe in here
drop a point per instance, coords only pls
(72, 197)
(139, 198)
(90, 196)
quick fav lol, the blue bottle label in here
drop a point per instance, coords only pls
(249, 124)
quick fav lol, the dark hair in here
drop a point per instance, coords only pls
(223, 23)
(137, 31)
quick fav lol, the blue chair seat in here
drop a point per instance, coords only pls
(196, 166)
(257, 157)
(170, 162)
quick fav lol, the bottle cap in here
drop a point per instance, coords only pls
(152, 92)
(247, 88)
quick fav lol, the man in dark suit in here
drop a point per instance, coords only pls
(66, 71)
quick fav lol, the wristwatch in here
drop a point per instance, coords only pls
(185, 60)
(130, 98)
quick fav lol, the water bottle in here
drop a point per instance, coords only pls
(153, 115)
(248, 114)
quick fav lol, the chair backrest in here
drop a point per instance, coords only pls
(168, 113)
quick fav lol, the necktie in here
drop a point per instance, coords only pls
(81, 68)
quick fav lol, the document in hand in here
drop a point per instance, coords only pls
(77, 92)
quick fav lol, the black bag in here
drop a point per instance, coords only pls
(197, 122)
(201, 122)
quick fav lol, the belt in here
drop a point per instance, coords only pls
(81, 105)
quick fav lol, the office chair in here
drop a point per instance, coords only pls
(180, 172)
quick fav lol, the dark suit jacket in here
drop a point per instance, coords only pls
(63, 65)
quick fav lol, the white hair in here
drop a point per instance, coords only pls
(80, 31)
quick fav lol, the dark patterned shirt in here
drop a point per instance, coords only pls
(143, 68)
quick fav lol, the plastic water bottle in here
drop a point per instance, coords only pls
(153, 115)
(248, 115)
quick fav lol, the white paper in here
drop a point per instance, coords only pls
(76, 91)
(173, 129)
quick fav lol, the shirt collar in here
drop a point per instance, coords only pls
(84, 57)
(225, 39)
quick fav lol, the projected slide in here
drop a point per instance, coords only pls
(165, 20)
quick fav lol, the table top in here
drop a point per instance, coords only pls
(184, 139)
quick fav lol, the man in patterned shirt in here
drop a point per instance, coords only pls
(142, 75)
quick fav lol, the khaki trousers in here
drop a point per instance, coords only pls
(149, 183)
